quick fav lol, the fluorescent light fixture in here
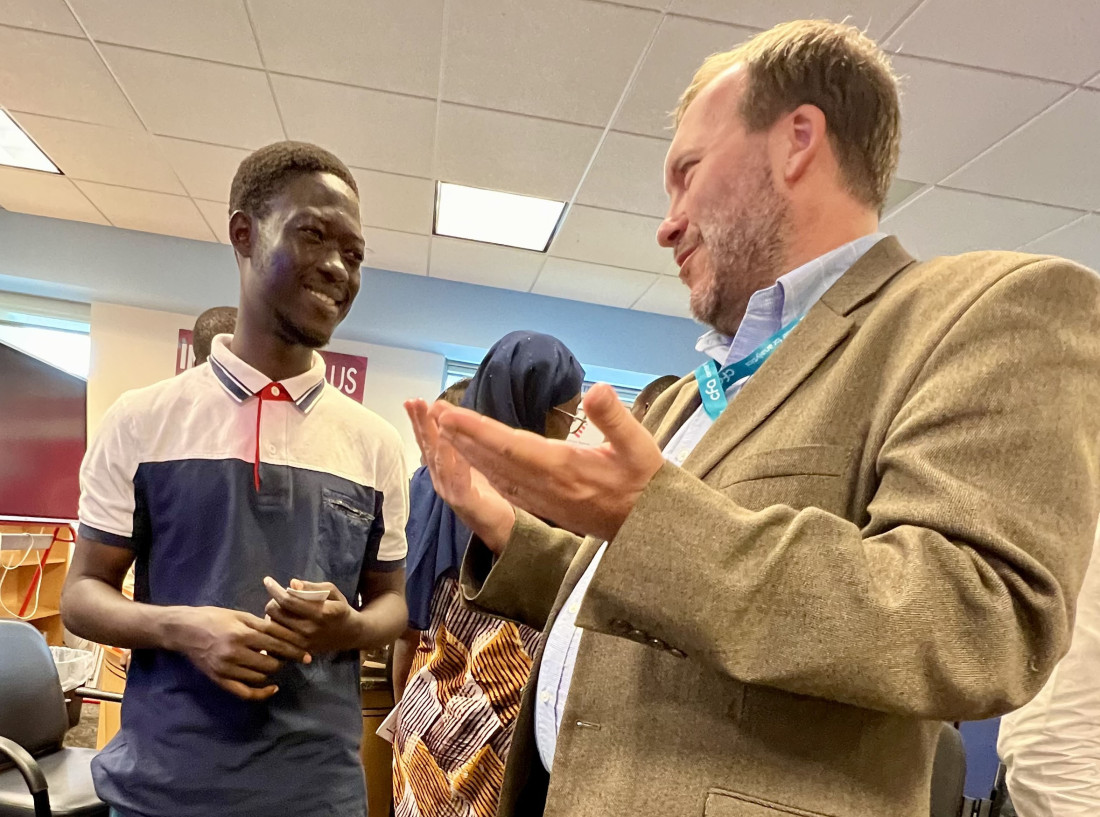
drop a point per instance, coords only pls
(496, 218)
(19, 150)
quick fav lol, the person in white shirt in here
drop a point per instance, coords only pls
(1051, 746)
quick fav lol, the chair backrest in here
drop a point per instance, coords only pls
(32, 705)
(948, 773)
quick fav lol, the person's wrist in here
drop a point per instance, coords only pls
(174, 628)
(497, 531)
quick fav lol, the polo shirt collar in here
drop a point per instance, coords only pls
(243, 382)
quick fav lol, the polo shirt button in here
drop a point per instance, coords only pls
(274, 391)
(270, 449)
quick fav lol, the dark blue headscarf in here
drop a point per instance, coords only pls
(522, 377)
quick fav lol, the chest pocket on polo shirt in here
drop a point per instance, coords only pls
(343, 529)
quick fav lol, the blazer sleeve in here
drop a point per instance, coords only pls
(523, 583)
(956, 599)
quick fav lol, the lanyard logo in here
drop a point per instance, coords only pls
(713, 382)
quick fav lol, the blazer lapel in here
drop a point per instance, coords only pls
(683, 405)
(823, 329)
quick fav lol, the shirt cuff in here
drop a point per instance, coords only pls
(105, 537)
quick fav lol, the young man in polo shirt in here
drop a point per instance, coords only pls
(225, 485)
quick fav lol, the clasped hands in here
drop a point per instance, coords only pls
(239, 651)
(482, 468)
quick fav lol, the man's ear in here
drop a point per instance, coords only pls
(242, 233)
(803, 137)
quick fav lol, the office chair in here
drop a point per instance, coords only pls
(37, 775)
(948, 774)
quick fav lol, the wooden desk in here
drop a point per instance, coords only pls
(112, 678)
(377, 754)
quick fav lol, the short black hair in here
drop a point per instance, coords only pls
(262, 174)
(215, 321)
(651, 392)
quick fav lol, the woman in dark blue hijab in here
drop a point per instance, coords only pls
(469, 668)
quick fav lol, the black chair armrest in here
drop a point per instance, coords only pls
(32, 774)
(93, 694)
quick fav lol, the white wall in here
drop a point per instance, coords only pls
(134, 347)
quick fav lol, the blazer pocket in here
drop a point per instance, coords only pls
(724, 803)
(802, 460)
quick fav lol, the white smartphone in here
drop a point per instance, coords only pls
(308, 595)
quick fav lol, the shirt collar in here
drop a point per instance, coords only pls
(242, 381)
(790, 297)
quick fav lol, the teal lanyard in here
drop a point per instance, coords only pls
(713, 382)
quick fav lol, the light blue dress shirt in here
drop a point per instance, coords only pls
(767, 312)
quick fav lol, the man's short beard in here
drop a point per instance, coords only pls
(746, 245)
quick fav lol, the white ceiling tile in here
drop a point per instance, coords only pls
(149, 212)
(667, 296)
(628, 174)
(578, 281)
(1052, 159)
(1054, 40)
(562, 59)
(206, 170)
(100, 154)
(192, 99)
(364, 128)
(678, 50)
(486, 264)
(874, 16)
(511, 152)
(941, 131)
(45, 194)
(59, 76)
(216, 215)
(45, 15)
(377, 43)
(398, 252)
(948, 222)
(611, 238)
(900, 190)
(395, 202)
(1079, 242)
(209, 29)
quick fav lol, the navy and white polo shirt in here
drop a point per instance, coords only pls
(215, 479)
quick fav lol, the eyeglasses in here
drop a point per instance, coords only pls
(577, 423)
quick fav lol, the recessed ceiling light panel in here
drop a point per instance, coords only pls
(19, 150)
(496, 218)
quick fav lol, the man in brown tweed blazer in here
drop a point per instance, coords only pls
(886, 528)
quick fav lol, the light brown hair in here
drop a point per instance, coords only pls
(835, 67)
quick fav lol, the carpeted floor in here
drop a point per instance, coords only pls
(83, 735)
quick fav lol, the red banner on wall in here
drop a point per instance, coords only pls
(348, 373)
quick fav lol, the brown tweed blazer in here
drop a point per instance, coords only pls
(887, 528)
